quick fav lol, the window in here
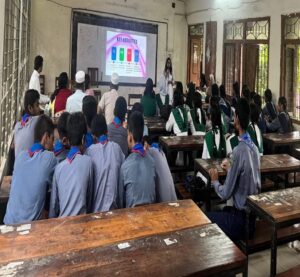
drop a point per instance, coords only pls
(290, 71)
(15, 69)
(246, 54)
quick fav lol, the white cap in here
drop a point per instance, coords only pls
(80, 77)
(114, 79)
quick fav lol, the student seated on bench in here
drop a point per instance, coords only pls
(32, 176)
(243, 179)
(24, 129)
(137, 174)
(282, 123)
(214, 141)
(73, 178)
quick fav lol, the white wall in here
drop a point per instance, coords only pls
(199, 11)
(51, 32)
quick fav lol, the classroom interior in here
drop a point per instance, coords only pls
(254, 43)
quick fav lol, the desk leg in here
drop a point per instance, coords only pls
(274, 250)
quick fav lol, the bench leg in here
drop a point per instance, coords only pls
(274, 250)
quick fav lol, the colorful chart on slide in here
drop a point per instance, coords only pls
(126, 54)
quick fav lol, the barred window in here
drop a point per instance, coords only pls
(14, 69)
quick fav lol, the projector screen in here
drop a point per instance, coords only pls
(130, 50)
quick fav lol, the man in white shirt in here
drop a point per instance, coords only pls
(74, 102)
(108, 100)
(34, 82)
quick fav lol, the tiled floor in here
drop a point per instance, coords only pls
(259, 263)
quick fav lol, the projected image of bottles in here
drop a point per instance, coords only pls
(136, 56)
(121, 54)
(113, 53)
(129, 55)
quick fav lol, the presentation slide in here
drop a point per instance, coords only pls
(126, 54)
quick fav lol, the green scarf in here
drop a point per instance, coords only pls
(198, 126)
(253, 135)
(181, 122)
(159, 101)
(223, 119)
(214, 152)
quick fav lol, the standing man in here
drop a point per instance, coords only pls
(34, 82)
(74, 102)
(108, 100)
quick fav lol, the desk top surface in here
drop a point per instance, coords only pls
(54, 236)
(180, 253)
(283, 139)
(181, 142)
(280, 205)
(269, 163)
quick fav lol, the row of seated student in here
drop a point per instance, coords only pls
(86, 170)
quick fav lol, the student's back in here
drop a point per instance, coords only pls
(137, 180)
(119, 136)
(165, 190)
(107, 160)
(24, 134)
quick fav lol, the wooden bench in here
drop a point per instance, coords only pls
(293, 272)
(181, 192)
(5, 189)
(262, 237)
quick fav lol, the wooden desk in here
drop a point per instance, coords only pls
(156, 127)
(275, 139)
(5, 189)
(182, 143)
(155, 119)
(280, 208)
(190, 252)
(279, 164)
(57, 236)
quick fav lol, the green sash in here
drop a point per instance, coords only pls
(181, 122)
(199, 127)
(253, 135)
(214, 152)
(223, 119)
(159, 101)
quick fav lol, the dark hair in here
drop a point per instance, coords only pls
(63, 81)
(89, 108)
(44, 125)
(254, 113)
(38, 62)
(257, 101)
(215, 116)
(62, 125)
(99, 126)
(222, 91)
(268, 95)
(215, 90)
(179, 86)
(120, 108)
(31, 96)
(202, 80)
(178, 99)
(190, 96)
(282, 101)
(76, 128)
(87, 81)
(236, 89)
(198, 105)
(214, 101)
(243, 113)
(136, 125)
(165, 70)
(252, 94)
(246, 93)
(79, 86)
(149, 88)
(112, 86)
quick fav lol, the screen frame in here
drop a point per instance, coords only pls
(99, 20)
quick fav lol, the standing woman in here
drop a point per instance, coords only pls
(148, 100)
(61, 94)
(165, 96)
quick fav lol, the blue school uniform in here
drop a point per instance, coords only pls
(137, 179)
(24, 133)
(60, 151)
(32, 177)
(107, 158)
(72, 185)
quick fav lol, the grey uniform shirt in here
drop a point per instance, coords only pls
(72, 187)
(119, 136)
(107, 160)
(24, 135)
(137, 181)
(243, 178)
(165, 190)
(31, 179)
